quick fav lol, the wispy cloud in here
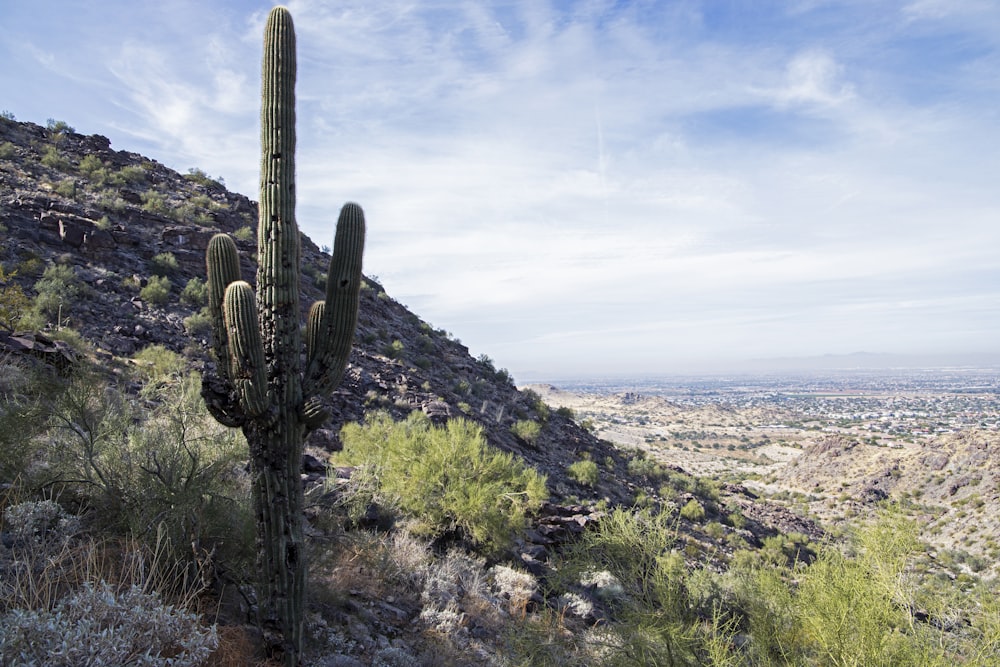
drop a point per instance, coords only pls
(622, 186)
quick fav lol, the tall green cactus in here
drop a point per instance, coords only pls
(261, 385)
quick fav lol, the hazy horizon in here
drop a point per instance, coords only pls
(592, 187)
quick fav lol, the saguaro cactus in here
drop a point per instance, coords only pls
(261, 384)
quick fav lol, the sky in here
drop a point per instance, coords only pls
(591, 188)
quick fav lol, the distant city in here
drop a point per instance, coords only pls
(889, 403)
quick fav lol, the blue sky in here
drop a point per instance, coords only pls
(592, 187)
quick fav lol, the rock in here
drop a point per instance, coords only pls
(311, 464)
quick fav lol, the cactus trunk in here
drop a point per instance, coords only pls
(260, 384)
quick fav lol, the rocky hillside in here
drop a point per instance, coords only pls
(118, 220)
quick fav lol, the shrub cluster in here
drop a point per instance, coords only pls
(446, 477)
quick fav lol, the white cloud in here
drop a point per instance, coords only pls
(541, 178)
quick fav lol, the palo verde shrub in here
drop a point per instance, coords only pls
(56, 290)
(584, 472)
(156, 291)
(446, 477)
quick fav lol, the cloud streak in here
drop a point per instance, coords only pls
(630, 187)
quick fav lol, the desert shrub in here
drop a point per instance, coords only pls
(53, 159)
(58, 127)
(154, 202)
(629, 558)
(566, 411)
(693, 511)
(195, 292)
(25, 386)
(849, 606)
(244, 234)
(164, 264)
(394, 350)
(131, 174)
(7, 150)
(66, 188)
(584, 472)
(99, 625)
(199, 324)
(202, 178)
(446, 477)
(168, 471)
(527, 430)
(156, 291)
(39, 526)
(58, 287)
(14, 303)
(159, 364)
(94, 170)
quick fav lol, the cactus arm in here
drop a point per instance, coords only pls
(247, 370)
(223, 267)
(340, 313)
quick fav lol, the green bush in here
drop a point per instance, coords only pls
(154, 202)
(446, 477)
(693, 511)
(166, 472)
(394, 350)
(66, 188)
(195, 292)
(54, 160)
(584, 472)
(164, 264)
(199, 324)
(58, 287)
(14, 303)
(244, 234)
(157, 363)
(156, 291)
(7, 150)
(652, 622)
(527, 430)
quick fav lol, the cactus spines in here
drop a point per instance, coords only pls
(257, 332)
(247, 371)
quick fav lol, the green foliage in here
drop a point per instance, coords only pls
(652, 619)
(584, 472)
(394, 350)
(199, 176)
(131, 174)
(7, 150)
(164, 264)
(14, 303)
(58, 287)
(159, 364)
(66, 188)
(154, 202)
(527, 430)
(566, 412)
(693, 511)
(199, 324)
(244, 234)
(25, 388)
(195, 292)
(167, 471)
(156, 291)
(446, 477)
(54, 160)
(58, 127)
